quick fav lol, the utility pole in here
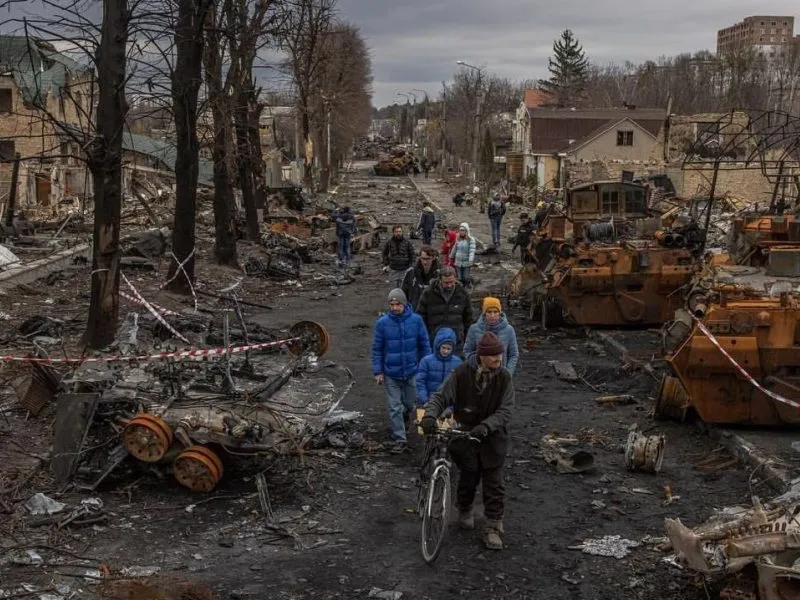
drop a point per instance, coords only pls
(476, 142)
(12, 192)
(444, 128)
(413, 117)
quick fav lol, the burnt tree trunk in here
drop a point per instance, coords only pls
(259, 172)
(308, 173)
(105, 163)
(244, 162)
(186, 79)
(224, 211)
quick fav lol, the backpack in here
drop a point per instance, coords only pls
(495, 208)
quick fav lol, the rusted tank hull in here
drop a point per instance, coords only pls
(762, 336)
(620, 285)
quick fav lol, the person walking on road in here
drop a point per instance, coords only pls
(434, 368)
(524, 234)
(426, 224)
(494, 320)
(496, 211)
(463, 253)
(345, 228)
(398, 256)
(420, 276)
(482, 395)
(446, 303)
(401, 341)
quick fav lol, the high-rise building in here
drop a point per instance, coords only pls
(767, 34)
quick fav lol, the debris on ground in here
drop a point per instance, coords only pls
(614, 546)
(553, 452)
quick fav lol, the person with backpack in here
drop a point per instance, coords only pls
(496, 211)
(426, 224)
(525, 232)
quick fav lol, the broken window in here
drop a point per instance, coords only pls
(610, 202)
(7, 150)
(625, 138)
(634, 201)
(6, 101)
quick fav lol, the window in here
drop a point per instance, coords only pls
(6, 101)
(7, 150)
(634, 201)
(624, 138)
(610, 203)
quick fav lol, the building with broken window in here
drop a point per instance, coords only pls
(43, 92)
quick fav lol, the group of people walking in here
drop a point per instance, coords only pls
(466, 370)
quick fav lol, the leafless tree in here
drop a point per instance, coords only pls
(307, 23)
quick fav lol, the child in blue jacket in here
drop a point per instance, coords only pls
(434, 368)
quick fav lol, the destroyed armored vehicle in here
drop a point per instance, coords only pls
(398, 163)
(194, 412)
(605, 260)
(733, 350)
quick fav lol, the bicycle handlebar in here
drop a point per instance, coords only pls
(453, 433)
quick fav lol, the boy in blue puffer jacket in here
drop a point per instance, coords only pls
(434, 368)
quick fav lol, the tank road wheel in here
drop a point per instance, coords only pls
(198, 468)
(314, 338)
(147, 437)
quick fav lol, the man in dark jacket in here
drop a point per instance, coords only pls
(446, 303)
(420, 276)
(345, 228)
(482, 395)
(400, 342)
(398, 256)
(496, 211)
(523, 239)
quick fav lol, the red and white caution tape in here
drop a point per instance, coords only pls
(160, 309)
(740, 368)
(153, 311)
(192, 353)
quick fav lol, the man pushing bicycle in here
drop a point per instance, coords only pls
(482, 396)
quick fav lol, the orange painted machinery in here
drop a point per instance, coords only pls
(751, 307)
(605, 261)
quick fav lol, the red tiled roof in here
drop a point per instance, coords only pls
(535, 98)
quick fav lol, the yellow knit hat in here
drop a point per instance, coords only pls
(490, 302)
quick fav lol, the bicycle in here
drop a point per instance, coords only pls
(434, 495)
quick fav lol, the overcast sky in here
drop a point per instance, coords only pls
(415, 43)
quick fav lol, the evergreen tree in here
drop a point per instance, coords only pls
(568, 69)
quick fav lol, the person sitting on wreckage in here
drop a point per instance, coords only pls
(482, 395)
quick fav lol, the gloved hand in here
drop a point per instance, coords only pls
(480, 431)
(447, 414)
(386, 269)
(429, 426)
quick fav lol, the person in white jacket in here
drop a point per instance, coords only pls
(463, 253)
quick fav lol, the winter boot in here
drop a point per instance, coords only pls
(466, 520)
(491, 535)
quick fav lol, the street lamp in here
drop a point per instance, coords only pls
(478, 101)
(413, 117)
(407, 101)
(425, 147)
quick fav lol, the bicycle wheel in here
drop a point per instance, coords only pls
(435, 517)
(425, 472)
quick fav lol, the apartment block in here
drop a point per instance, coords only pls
(768, 34)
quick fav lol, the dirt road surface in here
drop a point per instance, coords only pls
(345, 525)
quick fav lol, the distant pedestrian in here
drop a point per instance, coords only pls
(450, 237)
(463, 253)
(523, 239)
(460, 198)
(494, 320)
(400, 343)
(345, 229)
(446, 303)
(481, 393)
(426, 224)
(420, 276)
(398, 256)
(434, 368)
(496, 212)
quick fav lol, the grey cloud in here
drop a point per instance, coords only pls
(420, 40)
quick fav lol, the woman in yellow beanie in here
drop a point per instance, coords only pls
(493, 319)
